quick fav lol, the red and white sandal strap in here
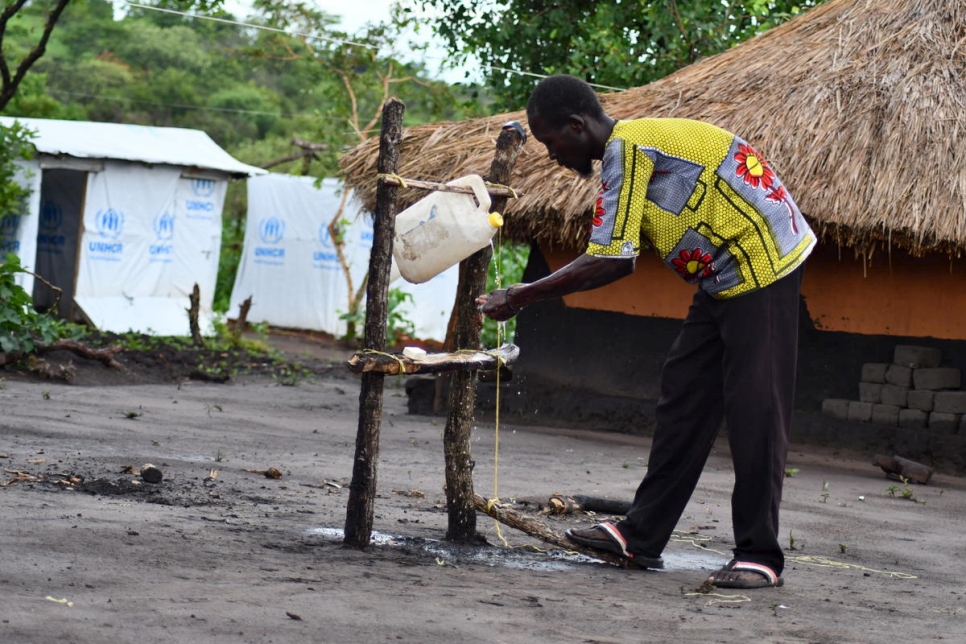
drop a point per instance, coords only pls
(615, 534)
(750, 566)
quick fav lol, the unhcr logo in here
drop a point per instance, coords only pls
(9, 226)
(270, 231)
(202, 187)
(164, 226)
(109, 224)
(326, 257)
(51, 215)
(164, 232)
(49, 238)
(201, 207)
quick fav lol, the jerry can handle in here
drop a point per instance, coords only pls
(480, 190)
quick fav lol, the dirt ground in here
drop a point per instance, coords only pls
(220, 552)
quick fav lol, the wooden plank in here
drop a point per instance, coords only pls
(396, 364)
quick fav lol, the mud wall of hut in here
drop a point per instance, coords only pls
(885, 294)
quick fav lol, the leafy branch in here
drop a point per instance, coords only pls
(9, 82)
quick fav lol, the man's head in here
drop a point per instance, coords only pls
(565, 115)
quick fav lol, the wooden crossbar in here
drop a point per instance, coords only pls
(395, 364)
(494, 189)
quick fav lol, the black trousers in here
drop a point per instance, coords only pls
(734, 361)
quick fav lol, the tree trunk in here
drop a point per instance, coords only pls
(469, 321)
(362, 489)
(903, 468)
(560, 504)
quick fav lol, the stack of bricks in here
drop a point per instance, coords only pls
(913, 392)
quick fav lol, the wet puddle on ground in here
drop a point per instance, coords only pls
(526, 558)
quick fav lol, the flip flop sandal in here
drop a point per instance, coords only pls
(727, 577)
(605, 536)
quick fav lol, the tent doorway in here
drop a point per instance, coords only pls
(62, 194)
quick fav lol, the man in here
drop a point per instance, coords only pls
(718, 215)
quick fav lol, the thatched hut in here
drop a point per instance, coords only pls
(859, 104)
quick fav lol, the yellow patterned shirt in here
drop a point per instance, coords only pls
(710, 206)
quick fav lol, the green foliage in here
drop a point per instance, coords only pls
(239, 84)
(344, 85)
(252, 91)
(151, 48)
(232, 242)
(226, 338)
(257, 108)
(397, 324)
(22, 328)
(14, 144)
(32, 98)
(616, 44)
(904, 492)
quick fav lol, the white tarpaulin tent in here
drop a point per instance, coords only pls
(126, 219)
(290, 269)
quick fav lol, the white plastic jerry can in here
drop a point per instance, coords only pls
(443, 229)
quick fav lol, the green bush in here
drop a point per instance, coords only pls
(397, 324)
(22, 328)
(14, 145)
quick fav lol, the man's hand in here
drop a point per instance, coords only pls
(496, 304)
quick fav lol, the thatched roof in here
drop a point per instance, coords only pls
(859, 104)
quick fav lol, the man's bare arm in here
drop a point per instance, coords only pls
(583, 274)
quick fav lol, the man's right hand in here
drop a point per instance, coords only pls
(496, 304)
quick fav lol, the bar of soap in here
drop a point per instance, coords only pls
(414, 353)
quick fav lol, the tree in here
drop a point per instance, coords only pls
(356, 77)
(614, 44)
(25, 33)
(14, 64)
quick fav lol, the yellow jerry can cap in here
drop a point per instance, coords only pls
(495, 219)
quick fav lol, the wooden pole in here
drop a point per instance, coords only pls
(193, 311)
(362, 489)
(469, 321)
